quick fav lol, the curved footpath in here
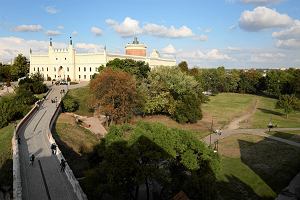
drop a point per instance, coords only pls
(43, 180)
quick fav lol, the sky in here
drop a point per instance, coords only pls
(205, 33)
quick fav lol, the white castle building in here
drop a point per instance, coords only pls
(67, 63)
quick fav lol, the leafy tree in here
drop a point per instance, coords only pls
(70, 104)
(288, 103)
(249, 82)
(168, 89)
(183, 66)
(138, 68)
(115, 94)
(20, 66)
(170, 159)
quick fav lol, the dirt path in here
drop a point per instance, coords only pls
(234, 124)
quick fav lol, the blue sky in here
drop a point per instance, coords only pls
(232, 33)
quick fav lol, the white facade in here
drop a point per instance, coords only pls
(63, 63)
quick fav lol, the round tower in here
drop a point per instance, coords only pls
(135, 48)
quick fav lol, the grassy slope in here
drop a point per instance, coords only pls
(255, 168)
(82, 95)
(290, 135)
(226, 106)
(266, 110)
(74, 141)
(6, 134)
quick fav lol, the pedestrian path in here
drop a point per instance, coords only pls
(43, 180)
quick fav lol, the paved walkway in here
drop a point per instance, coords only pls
(43, 180)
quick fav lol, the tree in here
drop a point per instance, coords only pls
(70, 104)
(170, 90)
(249, 82)
(21, 66)
(170, 159)
(183, 66)
(115, 94)
(288, 103)
(137, 68)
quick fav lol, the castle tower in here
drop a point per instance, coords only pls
(136, 48)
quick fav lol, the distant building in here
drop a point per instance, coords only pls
(67, 63)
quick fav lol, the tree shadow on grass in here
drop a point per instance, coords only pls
(271, 112)
(276, 163)
(235, 189)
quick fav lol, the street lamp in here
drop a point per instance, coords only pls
(56, 101)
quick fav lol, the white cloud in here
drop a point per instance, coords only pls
(263, 18)
(127, 28)
(170, 49)
(288, 44)
(172, 32)
(261, 2)
(211, 55)
(51, 9)
(89, 47)
(96, 31)
(267, 57)
(53, 32)
(28, 28)
(130, 27)
(12, 46)
(74, 33)
(291, 32)
(207, 30)
(200, 37)
(230, 48)
(60, 27)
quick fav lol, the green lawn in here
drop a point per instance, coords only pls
(6, 134)
(289, 135)
(266, 110)
(226, 106)
(253, 167)
(82, 96)
(75, 142)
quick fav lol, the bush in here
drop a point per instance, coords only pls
(39, 88)
(70, 104)
(48, 78)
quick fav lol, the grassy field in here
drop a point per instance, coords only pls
(6, 134)
(253, 167)
(82, 96)
(226, 106)
(289, 135)
(266, 110)
(74, 141)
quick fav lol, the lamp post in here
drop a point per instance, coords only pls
(56, 101)
(211, 131)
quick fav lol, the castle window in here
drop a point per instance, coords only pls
(38, 69)
(78, 68)
(34, 69)
(68, 76)
(67, 69)
(90, 69)
(96, 69)
(56, 58)
(84, 69)
(55, 76)
(79, 76)
(84, 76)
(55, 70)
(42, 68)
(47, 68)
(65, 58)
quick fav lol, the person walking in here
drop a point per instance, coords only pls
(53, 148)
(32, 157)
(62, 165)
(19, 140)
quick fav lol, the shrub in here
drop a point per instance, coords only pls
(70, 104)
(48, 78)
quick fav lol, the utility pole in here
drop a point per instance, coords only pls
(211, 131)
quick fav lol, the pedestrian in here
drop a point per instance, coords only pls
(62, 165)
(53, 148)
(32, 157)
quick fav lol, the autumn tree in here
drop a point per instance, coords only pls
(114, 94)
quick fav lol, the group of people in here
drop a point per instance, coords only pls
(53, 148)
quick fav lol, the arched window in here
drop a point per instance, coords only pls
(47, 68)
(34, 69)
(79, 69)
(55, 70)
(84, 69)
(90, 69)
(67, 69)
